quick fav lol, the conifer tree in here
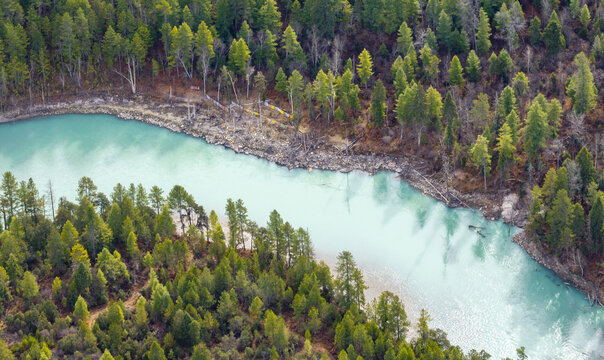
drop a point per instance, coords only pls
(535, 131)
(506, 149)
(451, 119)
(483, 34)
(552, 35)
(581, 88)
(479, 153)
(239, 54)
(535, 31)
(270, 17)
(444, 31)
(204, 48)
(559, 219)
(513, 121)
(378, 103)
(404, 39)
(596, 225)
(281, 81)
(456, 72)
(473, 67)
(365, 67)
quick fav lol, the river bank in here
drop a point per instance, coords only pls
(245, 134)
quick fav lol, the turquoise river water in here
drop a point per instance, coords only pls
(485, 292)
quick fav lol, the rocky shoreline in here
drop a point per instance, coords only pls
(245, 134)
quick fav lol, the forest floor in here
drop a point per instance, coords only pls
(272, 137)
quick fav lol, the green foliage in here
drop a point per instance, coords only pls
(479, 152)
(535, 131)
(535, 31)
(483, 34)
(473, 67)
(552, 35)
(581, 88)
(365, 67)
(456, 72)
(378, 103)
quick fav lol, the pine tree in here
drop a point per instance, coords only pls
(411, 109)
(80, 312)
(483, 34)
(505, 105)
(588, 172)
(444, 31)
(378, 103)
(559, 219)
(479, 153)
(535, 31)
(434, 108)
(513, 121)
(29, 286)
(270, 16)
(585, 20)
(473, 67)
(596, 223)
(204, 48)
(451, 118)
(295, 88)
(400, 81)
(552, 35)
(456, 72)
(535, 131)
(506, 149)
(155, 352)
(291, 46)
(239, 55)
(410, 63)
(581, 88)
(404, 39)
(281, 81)
(365, 67)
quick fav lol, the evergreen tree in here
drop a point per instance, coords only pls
(456, 72)
(365, 67)
(535, 131)
(204, 48)
(552, 35)
(581, 88)
(513, 121)
(444, 31)
(411, 109)
(295, 88)
(404, 39)
(506, 149)
(239, 54)
(378, 103)
(80, 312)
(559, 219)
(451, 118)
(596, 225)
(473, 67)
(535, 31)
(479, 152)
(281, 81)
(587, 171)
(483, 34)
(270, 17)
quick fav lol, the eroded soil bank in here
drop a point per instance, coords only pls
(298, 149)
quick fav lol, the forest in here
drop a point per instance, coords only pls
(146, 275)
(493, 95)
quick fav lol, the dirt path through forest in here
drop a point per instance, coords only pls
(129, 303)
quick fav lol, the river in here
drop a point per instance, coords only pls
(483, 290)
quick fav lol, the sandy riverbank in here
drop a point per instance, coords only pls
(247, 135)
